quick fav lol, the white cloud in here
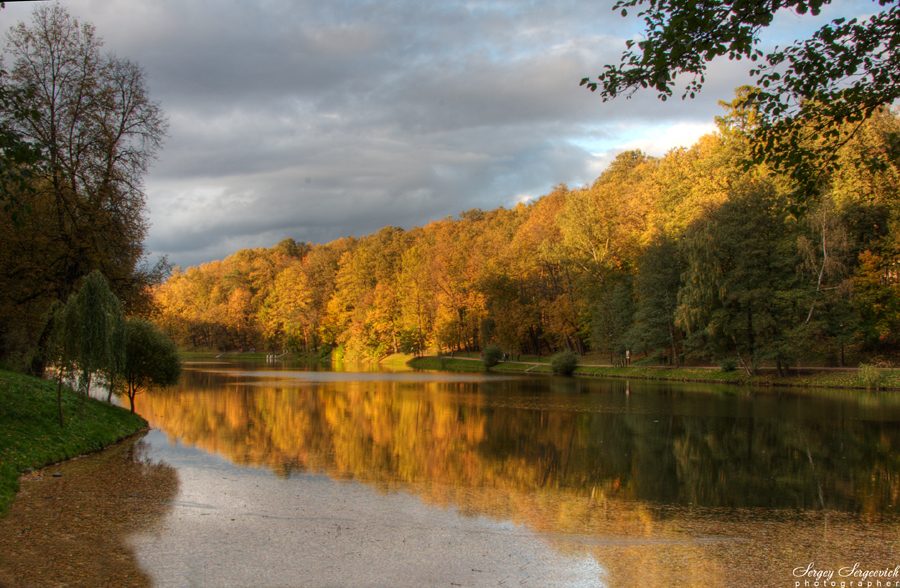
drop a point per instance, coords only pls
(659, 141)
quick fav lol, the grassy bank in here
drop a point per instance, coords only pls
(30, 435)
(865, 378)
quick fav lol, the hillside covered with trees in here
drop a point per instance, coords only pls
(692, 257)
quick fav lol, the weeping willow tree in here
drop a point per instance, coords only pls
(88, 336)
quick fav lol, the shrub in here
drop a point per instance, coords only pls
(728, 364)
(564, 362)
(490, 356)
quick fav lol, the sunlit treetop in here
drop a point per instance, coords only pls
(814, 89)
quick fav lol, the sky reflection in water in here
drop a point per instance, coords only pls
(234, 526)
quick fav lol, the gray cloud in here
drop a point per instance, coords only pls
(316, 120)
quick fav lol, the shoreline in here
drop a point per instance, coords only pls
(32, 438)
(886, 380)
(871, 379)
(71, 521)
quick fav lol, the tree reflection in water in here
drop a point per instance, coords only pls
(663, 485)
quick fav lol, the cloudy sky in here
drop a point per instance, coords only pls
(320, 119)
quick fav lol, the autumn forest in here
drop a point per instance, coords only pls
(694, 257)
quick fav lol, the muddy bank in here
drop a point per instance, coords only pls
(69, 523)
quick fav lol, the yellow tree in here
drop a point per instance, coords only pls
(287, 314)
(239, 316)
(603, 226)
(532, 270)
(416, 298)
(456, 263)
(694, 182)
(345, 322)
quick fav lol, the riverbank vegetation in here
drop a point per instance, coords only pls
(30, 435)
(693, 258)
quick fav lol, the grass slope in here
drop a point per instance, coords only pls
(30, 435)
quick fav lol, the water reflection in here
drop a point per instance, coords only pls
(660, 444)
(660, 484)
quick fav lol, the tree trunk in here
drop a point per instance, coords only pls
(741, 357)
(62, 423)
(131, 392)
(672, 340)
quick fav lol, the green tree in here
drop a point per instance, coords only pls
(491, 355)
(151, 359)
(844, 73)
(18, 156)
(740, 295)
(87, 336)
(612, 316)
(97, 319)
(657, 285)
(61, 348)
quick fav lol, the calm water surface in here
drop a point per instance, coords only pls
(354, 476)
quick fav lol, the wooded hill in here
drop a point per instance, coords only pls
(693, 257)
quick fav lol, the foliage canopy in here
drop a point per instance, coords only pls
(805, 94)
(681, 259)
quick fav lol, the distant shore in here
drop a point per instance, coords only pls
(863, 378)
(809, 377)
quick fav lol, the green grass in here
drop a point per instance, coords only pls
(30, 435)
(430, 362)
(190, 355)
(882, 379)
(437, 363)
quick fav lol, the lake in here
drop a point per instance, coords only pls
(358, 475)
